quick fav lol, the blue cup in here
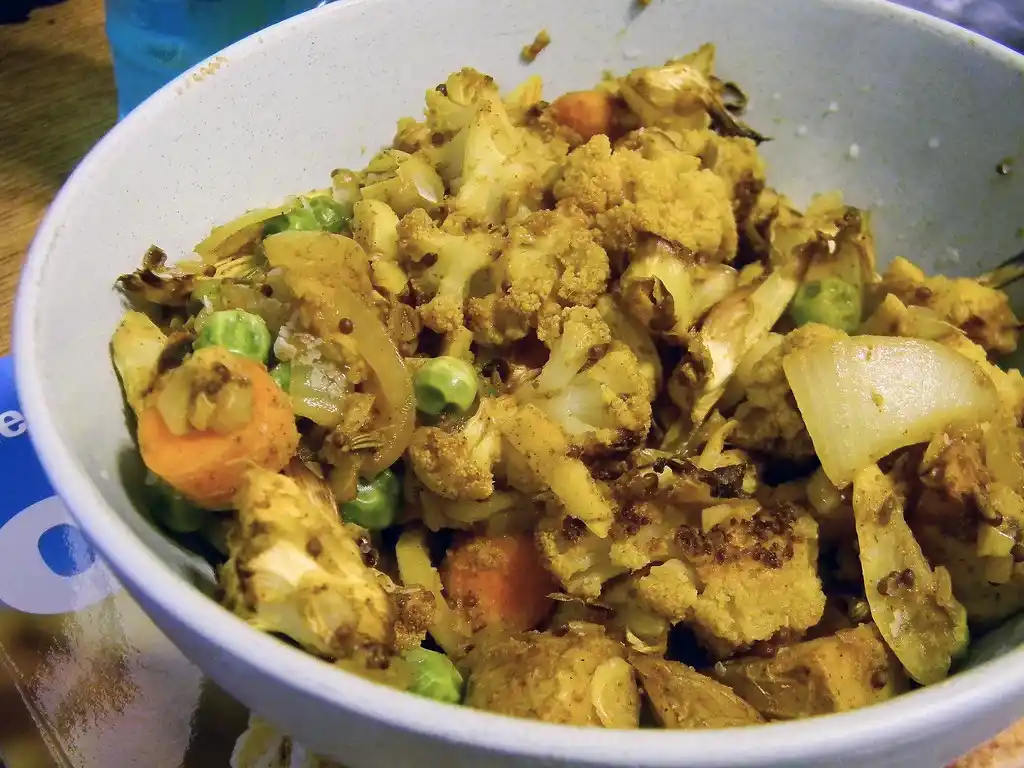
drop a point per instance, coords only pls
(153, 41)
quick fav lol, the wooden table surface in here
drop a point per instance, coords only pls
(56, 100)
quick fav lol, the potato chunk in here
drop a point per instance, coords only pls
(578, 678)
(847, 670)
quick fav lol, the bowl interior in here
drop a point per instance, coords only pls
(908, 117)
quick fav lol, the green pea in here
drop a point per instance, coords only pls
(435, 676)
(445, 384)
(829, 301)
(237, 331)
(376, 504)
(282, 374)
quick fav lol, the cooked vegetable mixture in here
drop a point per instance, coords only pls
(558, 410)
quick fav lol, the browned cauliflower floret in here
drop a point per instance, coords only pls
(741, 582)
(294, 568)
(699, 552)
(602, 403)
(767, 417)
(550, 261)
(544, 455)
(681, 94)
(441, 262)
(578, 677)
(736, 160)
(732, 328)
(582, 563)
(667, 290)
(983, 313)
(631, 196)
(458, 463)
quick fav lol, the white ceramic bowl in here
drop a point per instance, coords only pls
(908, 115)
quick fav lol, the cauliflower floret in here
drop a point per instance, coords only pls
(583, 562)
(607, 406)
(981, 312)
(551, 261)
(592, 178)
(580, 333)
(449, 108)
(604, 406)
(495, 169)
(459, 464)
(682, 94)
(452, 105)
(734, 159)
(720, 560)
(767, 417)
(580, 561)
(295, 569)
(602, 403)
(737, 161)
(541, 446)
(668, 292)
(441, 262)
(742, 582)
(627, 330)
(631, 196)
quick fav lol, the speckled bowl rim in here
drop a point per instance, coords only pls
(895, 722)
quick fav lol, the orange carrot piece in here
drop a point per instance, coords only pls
(588, 113)
(498, 581)
(208, 467)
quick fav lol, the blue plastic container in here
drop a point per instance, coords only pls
(153, 41)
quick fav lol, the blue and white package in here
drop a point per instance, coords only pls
(46, 564)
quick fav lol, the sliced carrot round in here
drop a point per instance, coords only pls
(498, 581)
(208, 467)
